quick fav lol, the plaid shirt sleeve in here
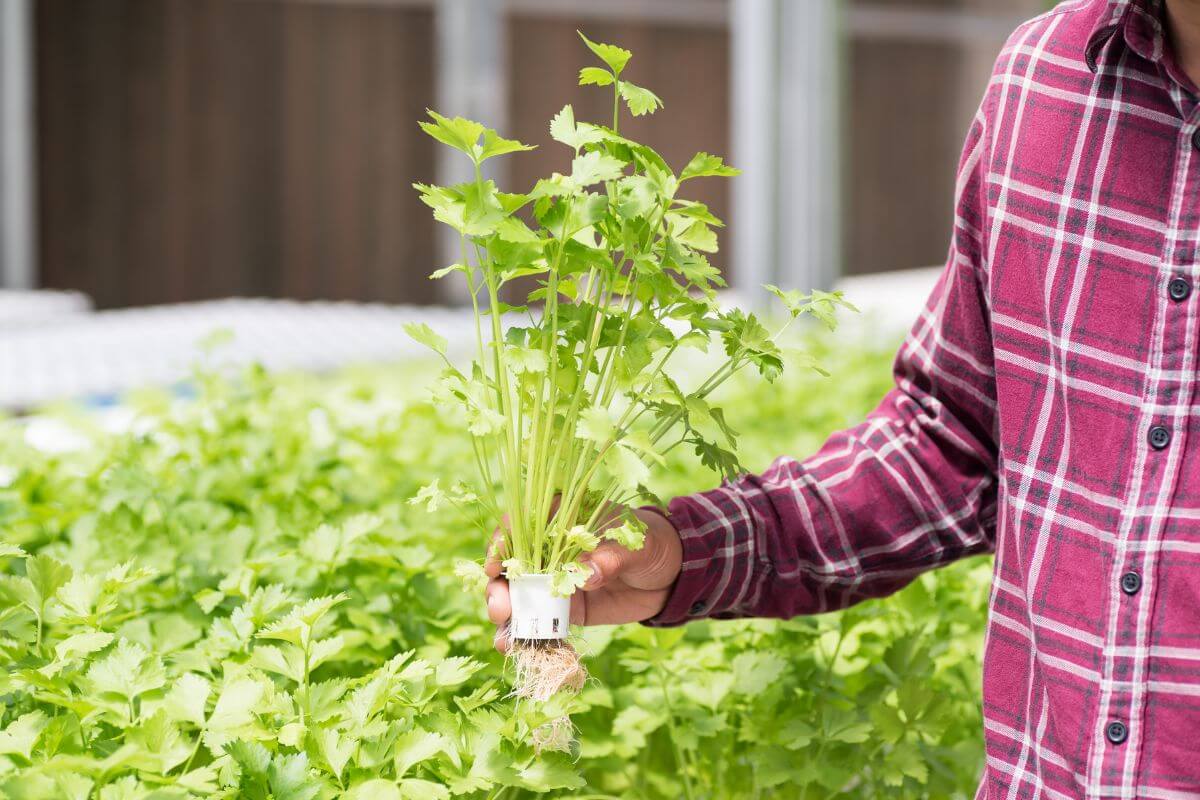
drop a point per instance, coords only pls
(911, 488)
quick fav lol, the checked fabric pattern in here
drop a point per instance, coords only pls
(1046, 409)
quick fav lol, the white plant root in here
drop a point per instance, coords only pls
(543, 669)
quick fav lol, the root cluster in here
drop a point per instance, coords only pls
(543, 669)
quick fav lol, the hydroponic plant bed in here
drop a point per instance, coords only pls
(240, 603)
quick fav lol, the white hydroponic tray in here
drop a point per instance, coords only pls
(20, 308)
(64, 352)
(100, 355)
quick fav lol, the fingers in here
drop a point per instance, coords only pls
(654, 566)
(658, 563)
(499, 606)
(495, 554)
(607, 560)
(499, 609)
(606, 563)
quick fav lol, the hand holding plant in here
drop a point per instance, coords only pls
(624, 585)
(570, 400)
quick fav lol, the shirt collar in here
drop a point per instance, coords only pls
(1136, 24)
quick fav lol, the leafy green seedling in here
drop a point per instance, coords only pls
(573, 404)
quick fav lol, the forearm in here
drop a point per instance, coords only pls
(902, 493)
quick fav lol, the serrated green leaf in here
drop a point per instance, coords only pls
(594, 76)
(415, 747)
(495, 145)
(375, 789)
(423, 334)
(289, 778)
(550, 771)
(615, 57)
(46, 575)
(526, 361)
(630, 534)
(128, 671)
(454, 671)
(237, 703)
(22, 734)
(472, 574)
(626, 467)
(640, 100)
(459, 133)
(596, 425)
(417, 789)
(705, 165)
(252, 757)
(563, 129)
(187, 699)
(336, 748)
(82, 644)
(594, 167)
(569, 579)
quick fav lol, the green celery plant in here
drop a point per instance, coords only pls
(573, 403)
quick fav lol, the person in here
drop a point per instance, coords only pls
(1045, 409)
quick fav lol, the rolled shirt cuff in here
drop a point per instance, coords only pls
(717, 560)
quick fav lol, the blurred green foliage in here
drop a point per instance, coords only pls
(236, 600)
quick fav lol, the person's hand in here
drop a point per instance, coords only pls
(625, 585)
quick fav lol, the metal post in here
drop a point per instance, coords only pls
(472, 69)
(17, 232)
(787, 83)
(755, 141)
(810, 163)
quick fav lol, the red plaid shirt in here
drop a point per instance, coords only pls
(1046, 409)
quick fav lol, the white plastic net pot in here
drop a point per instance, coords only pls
(537, 613)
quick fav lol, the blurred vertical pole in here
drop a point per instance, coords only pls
(472, 81)
(755, 143)
(17, 249)
(787, 86)
(810, 162)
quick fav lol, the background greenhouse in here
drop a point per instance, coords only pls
(213, 580)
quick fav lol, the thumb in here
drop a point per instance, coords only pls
(606, 563)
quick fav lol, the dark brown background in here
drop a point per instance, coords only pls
(191, 149)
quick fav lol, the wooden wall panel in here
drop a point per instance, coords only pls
(200, 148)
(687, 67)
(904, 135)
(191, 149)
(351, 100)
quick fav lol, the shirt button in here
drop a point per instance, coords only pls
(1160, 437)
(1116, 732)
(1179, 289)
(1131, 582)
(697, 608)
